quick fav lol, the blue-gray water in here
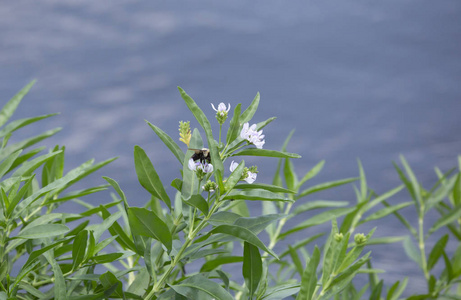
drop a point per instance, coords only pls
(356, 79)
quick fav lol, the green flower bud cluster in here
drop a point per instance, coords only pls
(210, 186)
(360, 238)
(338, 237)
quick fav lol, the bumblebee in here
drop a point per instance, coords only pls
(201, 154)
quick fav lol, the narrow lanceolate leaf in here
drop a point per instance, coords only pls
(17, 124)
(234, 127)
(8, 162)
(219, 261)
(243, 234)
(324, 186)
(147, 223)
(200, 287)
(386, 211)
(10, 107)
(117, 188)
(252, 268)
(203, 121)
(256, 194)
(411, 251)
(311, 205)
(79, 248)
(446, 219)
(318, 219)
(309, 277)
(281, 291)
(264, 152)
(28, 167)
(27, 142)
(59, 287)
(437, 251)
(414, 182)
(148, 177)
(42, 231)
(234, 177)
(312, 173)
(291, 179)
(267, 187)
(250, 111)
(169, 142)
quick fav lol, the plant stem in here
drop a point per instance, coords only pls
(159, 284)
(421, 243)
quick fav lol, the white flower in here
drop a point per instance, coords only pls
(252, 136)
(200, 166)
(205, 167)
(222, 109)
(251, 177)
(193, 165)
(233, 166)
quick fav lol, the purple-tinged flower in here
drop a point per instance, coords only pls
(222, 109)
(252, 136)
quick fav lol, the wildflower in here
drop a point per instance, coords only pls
(200, 168)
(184, 132)
(221, 112)
(252, 136)
(248, 174)
(210, 186)
(360, 238)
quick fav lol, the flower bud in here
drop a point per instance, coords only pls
(184, 132)
(360, 238)
(210, 186)
(338, 237)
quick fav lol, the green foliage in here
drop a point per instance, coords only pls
(146, 252)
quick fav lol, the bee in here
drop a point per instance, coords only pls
(201, 154)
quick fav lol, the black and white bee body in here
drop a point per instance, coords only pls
(203, 155)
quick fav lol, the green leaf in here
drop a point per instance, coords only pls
(98, 229)
(267, 187)
(281, 291)
(296, 260)
(255, 194)
(106, 258)
(117, 188)
(79, 248)
(8, 162)
(17, 124)
(198, 202)
(322, 217)
(395, 291)
(446, 219)
(252, 268)
(147, 223)
(234, 177)
(148, 177)
(311, 205)
(291, 179)
(200, 287)
(265, 152)
(59, 287)
(42, 231)
(223, 217)
(411, 251)
(116, 230)
(212, 264)
(168, 141)
(312, 173)
(324, 186)
(27, 142)
(301, 243)
(203, 121)
(28, 167)
(10, 107)
(414, 182)
(78, 194)
(243, 234)
(437, 251)
(250, 111)
(112, 285)
(309, 277)
(234, 126)
(257, 224)
(386, 211)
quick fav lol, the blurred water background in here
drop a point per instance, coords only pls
(356, 79)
